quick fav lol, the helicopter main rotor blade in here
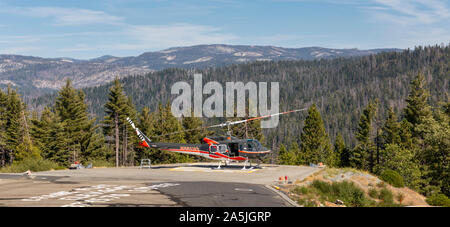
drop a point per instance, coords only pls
(234, 122)
(258, 118)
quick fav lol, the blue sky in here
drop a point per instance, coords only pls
(88, 29)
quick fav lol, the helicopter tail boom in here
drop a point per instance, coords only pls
(145, 141)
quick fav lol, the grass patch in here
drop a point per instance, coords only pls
(34, 165)
(346, 191)
(99, 163)
(323, 191)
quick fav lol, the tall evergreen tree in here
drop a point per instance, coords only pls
(3, 150)
(417, 109)
(435, 154)
(114, 109)
(145, 124)
(14, 108)
(391, 128)
(363, 155)
(342, 152)
(315, 145)
(165, 124)
(71, 109)
(194, 131)
(51, 137)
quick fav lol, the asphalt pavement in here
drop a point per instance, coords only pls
(186, 185)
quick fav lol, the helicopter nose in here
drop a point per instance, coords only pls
(265, 149)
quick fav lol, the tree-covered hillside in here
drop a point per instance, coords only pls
(339, 87)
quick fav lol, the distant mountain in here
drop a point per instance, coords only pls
(36, 75)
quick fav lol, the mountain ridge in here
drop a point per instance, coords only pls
(37, 75)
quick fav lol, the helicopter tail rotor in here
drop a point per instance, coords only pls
(145, 141)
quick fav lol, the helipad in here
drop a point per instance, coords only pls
(210, 170)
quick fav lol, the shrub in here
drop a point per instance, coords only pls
(373, 193)
(386, 195)
(438, 200)
(31, 164)
(99, 163)
(346, 191)
(393, 178)
(301, 190)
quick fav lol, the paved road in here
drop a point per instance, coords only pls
(196, 185)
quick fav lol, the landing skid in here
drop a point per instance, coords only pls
(245, 165)
(218, 167)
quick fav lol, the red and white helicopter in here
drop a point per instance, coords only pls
(220, 148)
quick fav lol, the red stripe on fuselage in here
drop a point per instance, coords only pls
(215, 155)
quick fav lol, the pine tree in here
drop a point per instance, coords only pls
(14, 108)
(405, 134)
(315, 145)
(26, 149)
(363, 155)
(296, 156)
(195, 131)
(436, 151)
(129, 138)
(165, 124)
(79, 129)
(286, 157)
(114, 109)
(402, 161)
(51, 137)
(417, 109)
(145, 124)
(342, 152)
(3, 150)
(391, 129)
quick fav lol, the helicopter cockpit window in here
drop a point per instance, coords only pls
(250, 145)
(222, 148)
(253, 145)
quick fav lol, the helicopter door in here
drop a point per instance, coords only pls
(234, 149)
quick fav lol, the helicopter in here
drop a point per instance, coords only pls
(220, 148)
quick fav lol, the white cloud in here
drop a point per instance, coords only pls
(163, 36)
(156, 37)
(413, 12)
(408, 23)
(66, 16)
(19, 50)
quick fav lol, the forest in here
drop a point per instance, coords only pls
(388, 112)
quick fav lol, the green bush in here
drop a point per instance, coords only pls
(301, 190)
(31, 164)
(346, 191)
(386, 195)
(393, 178)
(438, 200)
